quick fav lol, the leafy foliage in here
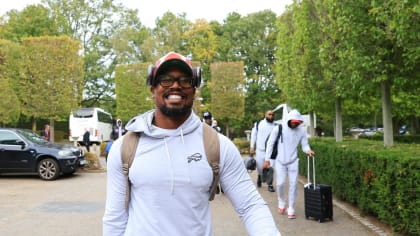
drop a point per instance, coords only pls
(9, 64)
(50, 85)
(133, 96)
(227, 88)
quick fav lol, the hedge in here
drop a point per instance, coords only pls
(383, 182)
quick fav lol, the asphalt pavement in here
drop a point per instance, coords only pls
(74, 205)
(347, 220)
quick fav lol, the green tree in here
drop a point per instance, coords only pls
(128, 40)
(32, 21)
(298, 57)
(169, 35)
(395, 26)
(51, 84)
(10, 54)
(252, 39)
(228, 98)
(132, 93)
(96, 24)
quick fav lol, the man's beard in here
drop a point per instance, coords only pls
(269, 120)
(176, 112)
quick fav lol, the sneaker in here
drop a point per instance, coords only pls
(291, 216)
(271, 188)
(282, 211)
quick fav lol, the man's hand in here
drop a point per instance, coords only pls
(251, 151)
(311, 153)
(266, 164)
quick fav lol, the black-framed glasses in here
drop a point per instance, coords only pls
(167, 81)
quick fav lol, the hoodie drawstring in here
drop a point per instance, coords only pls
(170, 164)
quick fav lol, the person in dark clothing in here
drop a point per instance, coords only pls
(86, 139)
(119, 129)
(45, 133)
(208, 118)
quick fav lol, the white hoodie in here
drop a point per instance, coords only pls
(289, 140)
(171, 178)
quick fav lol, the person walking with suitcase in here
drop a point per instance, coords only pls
(287, 163)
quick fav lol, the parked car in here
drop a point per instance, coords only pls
(23, 151)
(403, 129)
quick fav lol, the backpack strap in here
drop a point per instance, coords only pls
(257, 123)
(212, 149)
(280, 133)
(128, 150)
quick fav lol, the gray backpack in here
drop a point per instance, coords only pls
(211, 147)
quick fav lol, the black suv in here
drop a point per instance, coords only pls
(23, 151)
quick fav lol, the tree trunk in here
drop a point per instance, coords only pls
(52, 130)
(33, 121)
(312, 125)
(338, 121)
(386, 114)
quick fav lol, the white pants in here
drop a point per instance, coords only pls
(260, 158)
(292, 171)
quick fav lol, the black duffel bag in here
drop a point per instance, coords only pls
(250, 163)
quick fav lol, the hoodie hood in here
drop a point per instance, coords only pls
(143, 123)
(294, 115)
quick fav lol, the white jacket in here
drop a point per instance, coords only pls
(289, 141)
(171, 178)
(259, 137)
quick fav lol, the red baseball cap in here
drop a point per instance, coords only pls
(172, 59)
(295, 121)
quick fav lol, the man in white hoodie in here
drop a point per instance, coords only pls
(170, 175)
(259, 136)
(287, 162)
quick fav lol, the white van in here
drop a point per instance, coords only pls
(96, 120)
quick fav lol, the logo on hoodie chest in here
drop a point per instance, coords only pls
(194, 157)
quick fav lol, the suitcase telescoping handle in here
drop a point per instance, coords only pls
(313, 170)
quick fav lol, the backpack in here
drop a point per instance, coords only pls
(211, 147)
(274, 152)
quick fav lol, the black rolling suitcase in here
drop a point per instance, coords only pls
(318, 198)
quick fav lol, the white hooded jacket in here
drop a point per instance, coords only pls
(289, 140)
(171, 178)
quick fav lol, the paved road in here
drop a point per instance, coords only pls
(74, 206)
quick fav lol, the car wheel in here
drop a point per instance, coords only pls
(48, 169)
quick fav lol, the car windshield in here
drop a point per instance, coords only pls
(33, 137)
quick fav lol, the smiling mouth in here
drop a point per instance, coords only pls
(174, 97)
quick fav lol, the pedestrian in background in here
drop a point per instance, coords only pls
(287, 162)
(170, 176)
(208, 117)
(109, 145)
(119, 129)
(216, 126)
(86, 139)
(259, 136)
(45, 133)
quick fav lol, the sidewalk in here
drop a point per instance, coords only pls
(346, 219)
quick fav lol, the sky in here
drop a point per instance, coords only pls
(194, 9)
